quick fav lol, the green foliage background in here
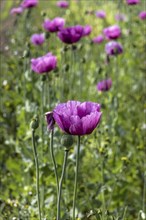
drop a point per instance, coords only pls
(112, 161)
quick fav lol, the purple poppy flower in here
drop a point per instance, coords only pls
(132, 2)
(37, 39)
(86, 30)
(142, 15)
(29, 3)
(100, 14)
(104, 85)
(97, 40)
(17, 11)
(77, 118)
(120, 17)
(50, 120)
(44, 64)
(62, 4)
(55, 25)
(112, 32)
(113, 48)
(71, 35)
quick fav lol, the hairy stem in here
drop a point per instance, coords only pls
(76, 177)
(37, 172)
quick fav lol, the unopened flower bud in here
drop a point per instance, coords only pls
(50, 120)
(43, 14)
(67, 141)
(26, 53)
(66, 67)
(44, 78)
(34, 124)
(74, 47)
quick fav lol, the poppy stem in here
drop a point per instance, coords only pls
(42, 115)
(48, 91)
(37, 171)
(60, 183)
(76, 177)
(53, 160)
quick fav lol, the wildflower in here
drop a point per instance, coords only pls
(17, 11)
(62, 4)
(113, 48)
(29, 3)
(50, 120)
(86, 30)
(97, 40)
(55, 25)
(132, 2)
(120, 17)
(142, 15)
(71, 35)
(104, 85)
(37, 39)
(100, 14)
(77, 118)
(112, 32)
(44, 64)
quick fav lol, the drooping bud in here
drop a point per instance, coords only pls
(50, 120)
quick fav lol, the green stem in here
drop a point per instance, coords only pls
(37, 172)
(53, 159)
(60, 184)
(76, 177)
(124, 213)
(48, 91)
(42, 116)
(144, 185)
(103, 197)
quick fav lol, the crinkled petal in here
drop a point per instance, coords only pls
(90, 122)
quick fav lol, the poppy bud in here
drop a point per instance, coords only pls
(34, 124)
(67, 141)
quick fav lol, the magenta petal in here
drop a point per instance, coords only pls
(77, 118)
(90, 122)
(76, 126)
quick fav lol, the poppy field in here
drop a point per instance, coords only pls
(72, 140)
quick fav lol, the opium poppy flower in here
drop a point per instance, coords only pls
(100, 14)
(142, 15)
(99, 39)
(132, 2)
(104, 85)
(70, 35)
(54, 25)
(37, 39)
(113, 48)
(29, 3)
(112, 32)
(44, 64)
(17, 11)
(77, 118)
(62, 4)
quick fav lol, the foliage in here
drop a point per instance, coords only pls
(112, 160)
